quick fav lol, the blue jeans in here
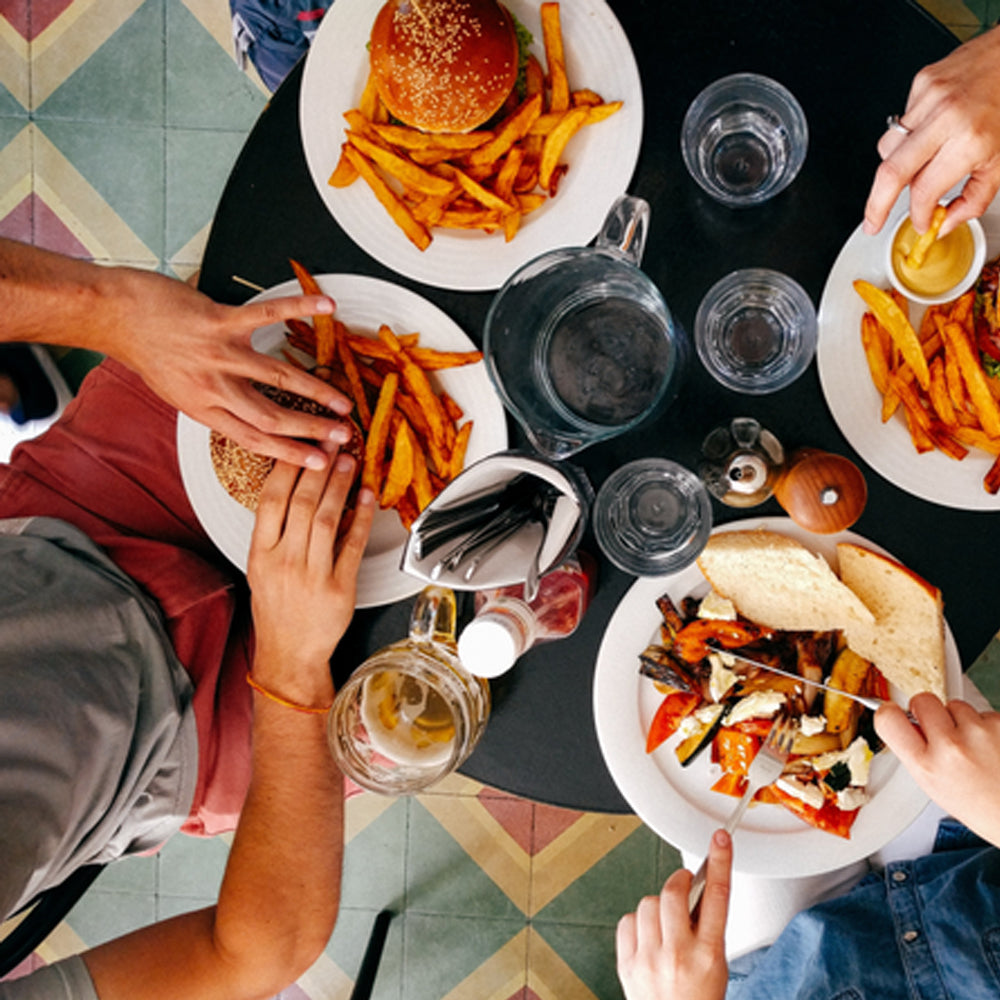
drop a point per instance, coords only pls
(927, 929)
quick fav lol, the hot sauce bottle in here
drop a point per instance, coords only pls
(505, 626)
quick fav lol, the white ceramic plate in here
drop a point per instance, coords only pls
(856, 403)
(601, 157)
(363, 304)
(678, 802)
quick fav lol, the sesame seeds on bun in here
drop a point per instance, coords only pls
(444, 65)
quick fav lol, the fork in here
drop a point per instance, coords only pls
(765, 769)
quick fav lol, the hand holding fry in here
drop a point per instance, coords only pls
(953, 112)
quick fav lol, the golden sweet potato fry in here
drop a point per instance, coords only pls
(378, 434)
(555, 56)
(458, 451)
(399, 475)
(991, 481)
(972, 376)
(510, 130)
(918, 252)
(350, 366)
(888, 313)
(875, 355)
(555, 144)
(415, 231)
(405, 171)
(326, 345)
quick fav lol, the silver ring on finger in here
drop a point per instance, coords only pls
(893, 122)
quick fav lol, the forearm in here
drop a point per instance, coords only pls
(43, 293)
(281, 889)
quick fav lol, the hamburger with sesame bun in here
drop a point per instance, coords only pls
(242, 473)
(444, 65)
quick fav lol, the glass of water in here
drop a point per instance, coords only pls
(755, 331)
(652, 517)
(744, 139)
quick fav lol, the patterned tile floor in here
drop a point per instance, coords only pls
(119, 122)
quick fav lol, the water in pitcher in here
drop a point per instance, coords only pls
(606, 360)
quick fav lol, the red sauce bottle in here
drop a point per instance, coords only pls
(506, 626)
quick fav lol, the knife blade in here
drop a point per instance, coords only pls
(872, 703)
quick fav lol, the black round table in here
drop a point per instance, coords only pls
(850, 63)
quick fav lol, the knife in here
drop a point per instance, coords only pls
(872, 703)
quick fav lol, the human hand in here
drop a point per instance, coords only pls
(662, 955)
(302, 580)
(196, 354)
(951, 753)
(953, 112)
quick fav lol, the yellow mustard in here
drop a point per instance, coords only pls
(947, 261)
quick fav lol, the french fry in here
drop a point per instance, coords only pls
(415, 231)
(350, 366)
(404, 137)
(895, 321)
(972, 376)
(918, 252)
(378, 434)
(483, 195)
(400, 472)
(404, 170)
(326, 341)
(555, 143)
(991, 481)
(416, 382)
(451, 408)
(513, 128)
(423, 492)
(878, 361)
(459, 449)
(555, 56)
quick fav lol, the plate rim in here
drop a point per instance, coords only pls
(616, 702)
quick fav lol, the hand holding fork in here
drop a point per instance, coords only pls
(765, 769)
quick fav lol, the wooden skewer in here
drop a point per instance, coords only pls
(247, 284)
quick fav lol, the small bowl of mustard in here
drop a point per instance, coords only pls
(950, 265)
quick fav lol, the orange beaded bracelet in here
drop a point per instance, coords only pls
(260, 689)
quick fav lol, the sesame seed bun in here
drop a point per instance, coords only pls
(444, 65)
(242, 473)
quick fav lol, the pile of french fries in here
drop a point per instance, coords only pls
(415, 440)
(934, 373)
(485, 179)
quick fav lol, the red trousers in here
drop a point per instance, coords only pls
(109, 467)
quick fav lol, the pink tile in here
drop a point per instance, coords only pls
(17, 224)
(550, 822)
(52, 234)
(514, 815)
(16, 12)
(44, 12)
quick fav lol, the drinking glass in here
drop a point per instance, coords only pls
(755, 331)
(744, 138)
(411, 713)
(652, 516)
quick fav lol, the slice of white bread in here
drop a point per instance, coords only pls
(776, 581)
(906, 642)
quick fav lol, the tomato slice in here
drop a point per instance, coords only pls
(673, 709)
(830, 818)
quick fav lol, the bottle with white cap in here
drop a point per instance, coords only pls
(506, 626)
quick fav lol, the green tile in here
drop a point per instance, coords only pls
(103, 916)
(347, 947)
(193, 866)
(611, 887)
(205, 87)
(9, 104)
(374, 861)
(132, 874)
(441, 951)
(198, 164)
(10, 127)
(589, 952)
(442, 878)
(125, 165)
(985, 673)
(174, 906)
(122, 81)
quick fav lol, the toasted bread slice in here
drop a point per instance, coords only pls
(776, 581)
(906, 642)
